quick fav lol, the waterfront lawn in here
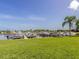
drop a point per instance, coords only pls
(42, 48)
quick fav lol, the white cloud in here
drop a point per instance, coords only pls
(5, 16)
(35, 18)
(30, 18)
(74, 5)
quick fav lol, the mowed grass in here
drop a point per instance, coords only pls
(43, 48)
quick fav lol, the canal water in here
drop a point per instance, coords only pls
(3, 37)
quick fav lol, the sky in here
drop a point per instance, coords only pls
(35, 14)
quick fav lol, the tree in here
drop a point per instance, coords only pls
(77, 25)
(69, 20)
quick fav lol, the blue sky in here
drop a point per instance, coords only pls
(34, 14)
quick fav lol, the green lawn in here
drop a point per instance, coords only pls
(43, 48)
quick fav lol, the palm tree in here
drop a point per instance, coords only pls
(69, 20)
(77, 25)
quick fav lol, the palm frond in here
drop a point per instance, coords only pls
(70, 18)
(63, 24)
(77, 22)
